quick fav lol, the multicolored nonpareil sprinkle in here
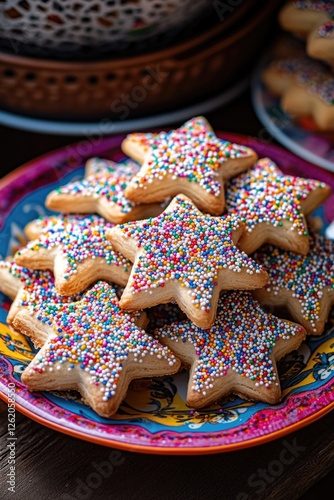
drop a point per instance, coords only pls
(37, 291)
(314, 75)
(326, 31)
(325, 6)
(104, 179)
(191, 152)
(263, 194)
(97, 336)
(242, 339)
(184, 246)
(309, 279)
(78, 238)
(17, 275)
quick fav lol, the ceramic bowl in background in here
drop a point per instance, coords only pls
(118, 88)
(82, 29)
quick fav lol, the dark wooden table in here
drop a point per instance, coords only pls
(52, 466)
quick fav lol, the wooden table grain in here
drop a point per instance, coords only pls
(51, 465)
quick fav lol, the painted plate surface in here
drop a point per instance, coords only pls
(154, 418)
(301, 140)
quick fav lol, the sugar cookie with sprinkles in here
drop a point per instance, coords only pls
(312, 21)
(101, 191)
(96, 348)
(273, 206)
(304, 285)
(185, 256)
(237, 355)
(305, 88)
(34, 292)
(320, 43)
(190, 160)
(75, 249)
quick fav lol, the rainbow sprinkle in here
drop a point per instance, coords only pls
(106, 180)
(306, 277)
(242, 339)
(37, 291)
(326, 30)
(314, 75)
(78, 238)
(325, 6)
(96, 335)
(187, 247)
(192, 152)
(263, 194)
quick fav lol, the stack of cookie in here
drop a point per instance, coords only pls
(163, 263)
(304, 80)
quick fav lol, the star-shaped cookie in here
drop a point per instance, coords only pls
(273, 206)
(75, 248)
(185, 256)
(96, 348)
(304, 285)
(236, 355)
(305, 88)
(312, 21)
(190, 160)
(35, 291)
(102, 192)
(320, 42)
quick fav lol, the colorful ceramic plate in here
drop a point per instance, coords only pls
(154, 418)
(303, 141)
